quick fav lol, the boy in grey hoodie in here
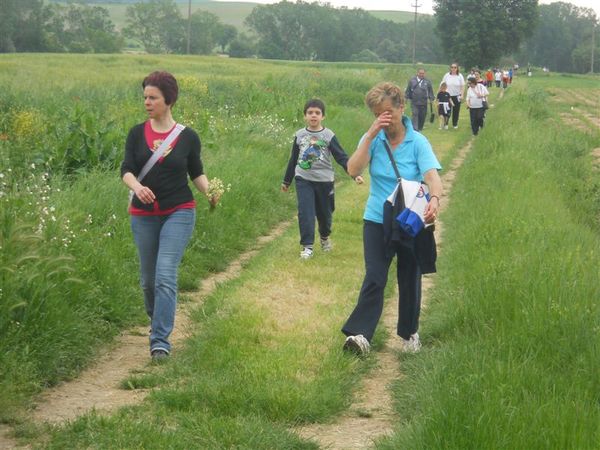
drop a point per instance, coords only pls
(311, 164)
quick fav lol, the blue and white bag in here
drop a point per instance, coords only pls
(416, 197)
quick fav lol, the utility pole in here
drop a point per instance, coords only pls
(593, 43)
(416, 6)
(189, 25)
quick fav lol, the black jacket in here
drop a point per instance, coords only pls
(168, 178)
(423, 245)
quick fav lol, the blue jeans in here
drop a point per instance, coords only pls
(161, 241)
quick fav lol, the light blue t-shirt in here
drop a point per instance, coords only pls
(414, 157)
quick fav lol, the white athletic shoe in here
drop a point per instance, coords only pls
(411, 345)
(306, 253)
(357, 344)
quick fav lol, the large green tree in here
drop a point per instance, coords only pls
(157, 25)
(31, 25)
(480, 32)
(225, 35)
(80, 28)
(21, 25)
(207, 31)
(204, 30)
(285, 30)
(242, 46)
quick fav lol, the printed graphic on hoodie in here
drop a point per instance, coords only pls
(311, 151)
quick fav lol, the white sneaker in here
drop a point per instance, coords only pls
(411, 345)
(326, 245)
(306, 253)
(456, 127)
(445, 127)
(357, 344)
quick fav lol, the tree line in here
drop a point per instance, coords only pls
(557, 36)
(81, 27)
(562, 39)
(313, 31)
(32, 26)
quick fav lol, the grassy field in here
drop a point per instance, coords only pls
(511, 334)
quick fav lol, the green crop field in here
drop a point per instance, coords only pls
(511, 331)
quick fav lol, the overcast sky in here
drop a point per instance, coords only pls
(426, 5)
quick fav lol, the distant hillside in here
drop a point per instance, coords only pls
(396, 16)
(232, 13)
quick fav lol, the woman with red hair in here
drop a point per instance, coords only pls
(160, 155)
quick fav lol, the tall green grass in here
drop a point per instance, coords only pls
(512, 333)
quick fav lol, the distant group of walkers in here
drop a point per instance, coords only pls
(452, 89)
(161, 155)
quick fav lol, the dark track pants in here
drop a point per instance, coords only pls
(369, 307)
(477, 115)
(419, 114)
(455, 110)
(315, 199)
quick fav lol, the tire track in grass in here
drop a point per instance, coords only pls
(371, 415)
(6, 440)
(98, 387)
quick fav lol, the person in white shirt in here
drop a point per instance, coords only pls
(455, 84)
(498, 77)
(476, 94)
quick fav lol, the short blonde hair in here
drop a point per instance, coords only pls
(382, 92)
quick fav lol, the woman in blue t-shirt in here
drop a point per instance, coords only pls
(415, 161)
